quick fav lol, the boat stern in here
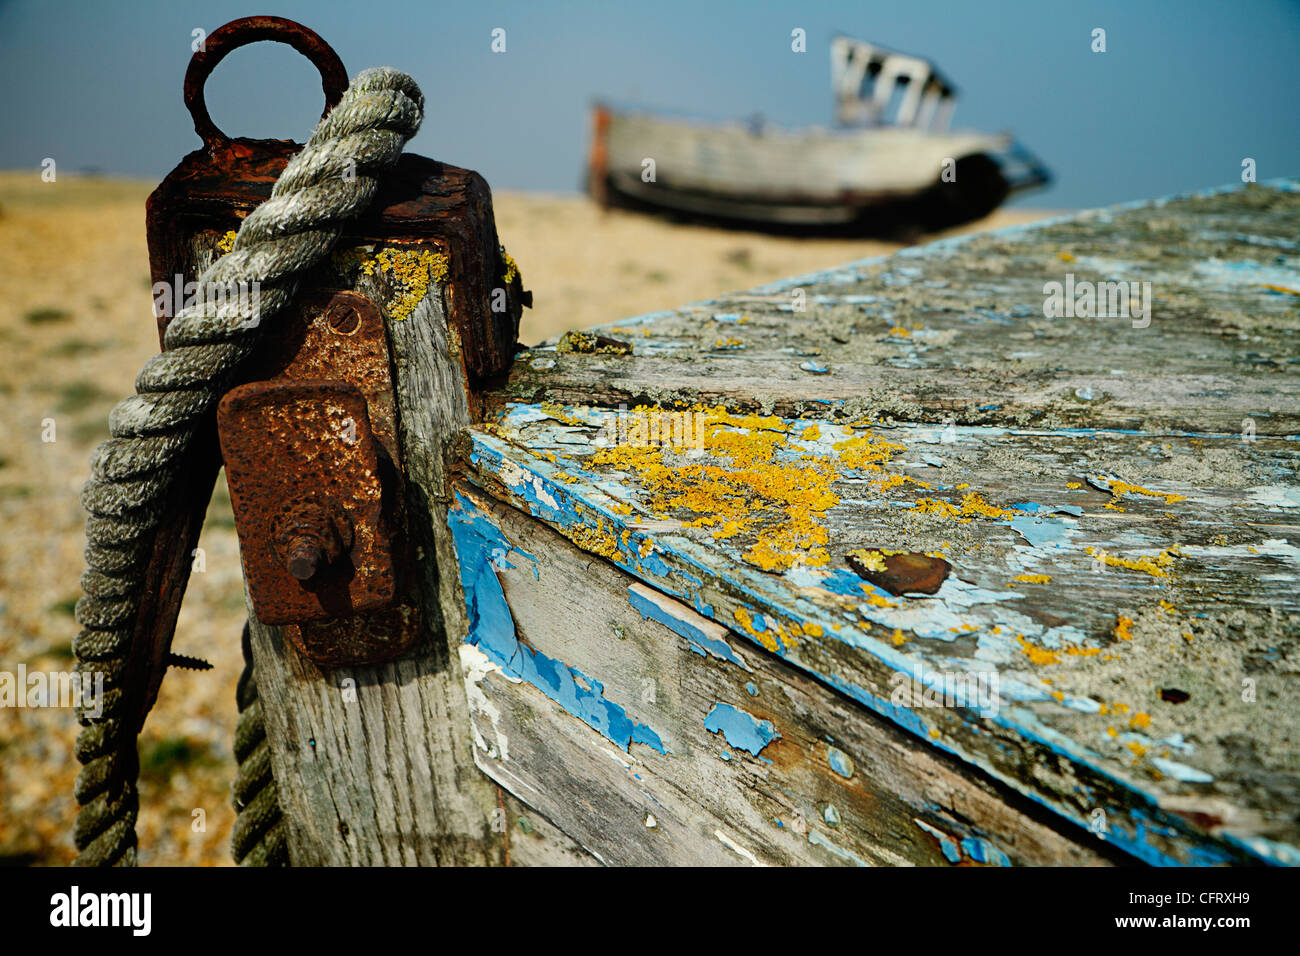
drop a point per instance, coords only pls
(1020, 168)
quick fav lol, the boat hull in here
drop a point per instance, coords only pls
(883, 177)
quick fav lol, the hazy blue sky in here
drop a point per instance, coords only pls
(1186, 89)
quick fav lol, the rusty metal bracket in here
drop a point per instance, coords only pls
(305, 485)
(314, 470)
(330, 336)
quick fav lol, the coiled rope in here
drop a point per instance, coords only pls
(259, 837)
(333, 179)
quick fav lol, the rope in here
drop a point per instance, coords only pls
(333, 179)
(258, 838)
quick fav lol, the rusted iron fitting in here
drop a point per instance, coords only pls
(311, 533)
(314, 512)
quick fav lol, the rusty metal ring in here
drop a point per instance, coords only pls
(237, 33)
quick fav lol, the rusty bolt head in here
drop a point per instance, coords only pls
(343, 319)
(311, 533)
(305, 555)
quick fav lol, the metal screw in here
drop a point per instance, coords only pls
(343, 319)
(311, 534)
(304, 557)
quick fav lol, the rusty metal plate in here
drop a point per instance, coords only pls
(366, 638)
(307, 488)
(329, 335)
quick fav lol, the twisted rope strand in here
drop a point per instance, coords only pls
(332, 180)
(259, 837)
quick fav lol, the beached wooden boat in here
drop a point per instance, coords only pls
(892, 162)
(984, 553)
(946, 581)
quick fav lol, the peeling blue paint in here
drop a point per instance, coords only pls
(840, 762)
(481, 548)
(817, 839)
(1043, 532)
(982, 851)
(1131, 831)
(699, 641)
(743, 731)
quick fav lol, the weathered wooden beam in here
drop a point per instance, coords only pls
(700, 674)
(1121, 558)
(373, 763)
(828, 783)
(956, 330)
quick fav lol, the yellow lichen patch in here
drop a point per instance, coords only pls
(972, 505)
(899, 331)
(865, 451)
(1032, 579)
(1121, 488)
(411, 271)
(1082, 651)
(226, 242)
(1136, 747)
(728, 343)
(647, 546)
(763, 637)
(556, 411)
(1140, 720)
(565, 477)
(1123, 628)
(1073, 485)
(1038, 655)
(936, 506)
(897, 637)
(1065, 257)
(811, 433)
(596, 540)
(512, 269)
(876, 600)
(729, 529)
(780, 502)
(872, 560)
(1157, 565)
(891, 481)
(813, 630)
